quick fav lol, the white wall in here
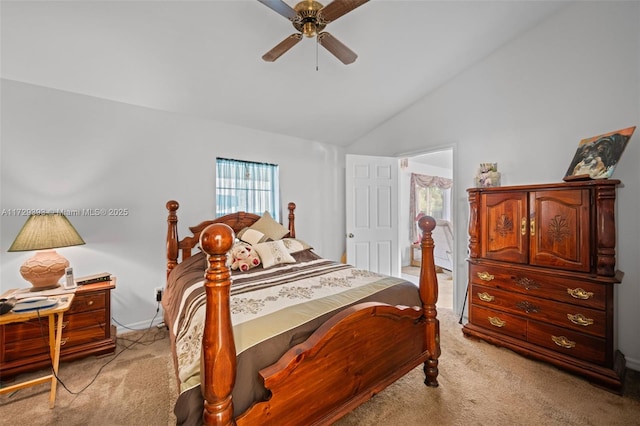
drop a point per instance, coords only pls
(66, 151)
(526, 107)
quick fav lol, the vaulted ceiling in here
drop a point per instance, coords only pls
(203, 58)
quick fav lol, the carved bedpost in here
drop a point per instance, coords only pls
(292, 220)
(172, 235)
(218, 363)
(429, 296)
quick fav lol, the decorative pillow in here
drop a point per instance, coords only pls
(242, 257)
(269, 227)
(273, 253)
(294, 245)
(252, 236)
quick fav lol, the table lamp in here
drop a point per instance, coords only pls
(45, 232)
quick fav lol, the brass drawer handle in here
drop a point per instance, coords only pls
(65, 323)
(528, 307)
(485, 276)
(523, 226)
(579, 293)
(563, 342)
(63, 341)
(497, 322)
(527, 283)
(486, 297)
(580, 319)
(90, 302)
(533, 227)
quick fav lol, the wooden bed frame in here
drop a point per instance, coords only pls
(348, 360)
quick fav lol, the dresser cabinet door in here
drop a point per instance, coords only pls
(560, 229)
(503, 226)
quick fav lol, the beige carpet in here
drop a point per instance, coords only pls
(480, 384)
(445, 284)
(135, 387)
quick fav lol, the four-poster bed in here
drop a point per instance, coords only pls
(370, 331)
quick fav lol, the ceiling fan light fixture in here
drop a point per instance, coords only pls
(309, 29)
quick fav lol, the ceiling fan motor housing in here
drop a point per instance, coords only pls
(309, 24)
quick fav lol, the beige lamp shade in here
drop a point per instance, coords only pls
(45, 232)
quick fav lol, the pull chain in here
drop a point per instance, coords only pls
(317, 42)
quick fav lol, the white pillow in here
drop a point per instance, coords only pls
(252, 236)
(273, 253)
(294, 245)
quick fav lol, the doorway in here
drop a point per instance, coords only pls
(438, 163)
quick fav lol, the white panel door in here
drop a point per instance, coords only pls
(372, 213)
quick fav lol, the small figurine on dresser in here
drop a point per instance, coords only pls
(488, 175)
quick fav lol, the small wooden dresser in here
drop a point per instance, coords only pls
(542, 274)
(87, 330)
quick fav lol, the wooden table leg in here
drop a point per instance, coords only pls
(55, 330)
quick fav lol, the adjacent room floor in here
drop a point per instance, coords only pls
(445, 284)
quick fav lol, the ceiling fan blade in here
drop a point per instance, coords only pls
(282, 8)
(339, 50)
(282, 47)
(337, 8)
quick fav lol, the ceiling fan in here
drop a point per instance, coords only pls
(310, 18)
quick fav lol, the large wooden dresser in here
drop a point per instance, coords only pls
(542, 271)
(87, 330)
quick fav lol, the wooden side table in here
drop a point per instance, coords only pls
(55, 315)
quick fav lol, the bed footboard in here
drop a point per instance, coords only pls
(352, 354)
(351, 351)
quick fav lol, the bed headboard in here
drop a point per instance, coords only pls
(181, 248)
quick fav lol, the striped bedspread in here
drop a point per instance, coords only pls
(267, 302)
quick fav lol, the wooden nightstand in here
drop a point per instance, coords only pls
(87, 330)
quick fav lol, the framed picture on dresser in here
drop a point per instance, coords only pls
(597, 157)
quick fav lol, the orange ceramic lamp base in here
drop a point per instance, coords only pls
(44, 269)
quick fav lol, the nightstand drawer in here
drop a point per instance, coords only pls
(40, 345)
(89, 302)
(35, 329)
(83, 320)
(498, 321)
(31, 329)
(83, 335)
(573, 344)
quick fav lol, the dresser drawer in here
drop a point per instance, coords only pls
(574, 291)
(498, 321)
(568, 342)
(582, 319)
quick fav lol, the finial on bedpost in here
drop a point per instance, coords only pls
(172, 235)
(429, 296)
(218, 348)
(292, 220)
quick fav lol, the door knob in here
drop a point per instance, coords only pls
(350, 235)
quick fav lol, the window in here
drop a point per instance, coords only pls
(433, 201)
(247, 186)
(430, 195)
